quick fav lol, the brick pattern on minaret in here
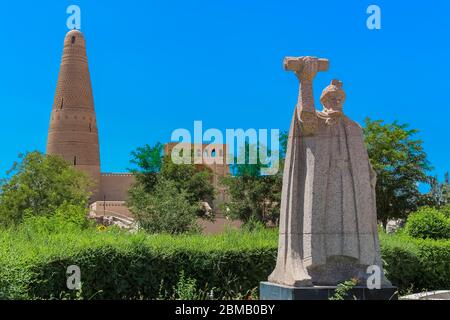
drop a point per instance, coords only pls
(73, 128)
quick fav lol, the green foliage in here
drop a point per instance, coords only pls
(439, 194)
(195, 180)
(253, 196)
(445, 190)
(343, 290)
(147, 162)
(166, 210)
(428, 223)
(284, 137)
(120, 265)
(67, 217)
(186, 289)
(253, 225)
(152, 169)
(445, 210)
(39, 185)
(400, 163)
(416, 264)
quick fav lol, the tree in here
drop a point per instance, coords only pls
(39, 185)
(147, 162)
(166, 210)
(400, 163)
(151, 167)
(439, 194)
(194, 179)
(284, 137)
(253, 196)
(446, 189)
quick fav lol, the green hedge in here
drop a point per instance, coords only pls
(116, 265)
(416, 264)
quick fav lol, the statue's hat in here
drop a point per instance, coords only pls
(335, 87)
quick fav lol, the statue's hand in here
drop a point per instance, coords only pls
(309, 70)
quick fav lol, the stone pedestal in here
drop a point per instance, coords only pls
(273, 291)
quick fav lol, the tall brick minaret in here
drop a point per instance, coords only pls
(73, 130)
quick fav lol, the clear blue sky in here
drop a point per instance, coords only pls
(159, 65)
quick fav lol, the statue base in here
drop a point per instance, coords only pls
(273, 291)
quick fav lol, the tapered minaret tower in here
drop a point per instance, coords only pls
(73, 130)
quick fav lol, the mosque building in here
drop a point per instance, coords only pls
(73, 134)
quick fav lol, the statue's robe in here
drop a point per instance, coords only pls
(328, 224)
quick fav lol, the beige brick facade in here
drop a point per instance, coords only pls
(73, 134)
(73, 128)
(115, 186)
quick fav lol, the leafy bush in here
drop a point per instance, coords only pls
(119, 265)
(428, 223)
(400, 162)
(343, 290)
(420, 264)
(253, 195)
(67, 218)
(151, 168)
(253, 224)
(38, 186)
(166, 209)
(186, 289)
(445, 210)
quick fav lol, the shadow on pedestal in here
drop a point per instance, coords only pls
(273, 291)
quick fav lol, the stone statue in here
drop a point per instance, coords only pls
(328, 223)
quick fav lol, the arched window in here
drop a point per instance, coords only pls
(213, 153)
(75, 160)
(73, 39)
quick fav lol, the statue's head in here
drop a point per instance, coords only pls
(333, 96)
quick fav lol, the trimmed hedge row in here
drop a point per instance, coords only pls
(417, 264)
(116, 265)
